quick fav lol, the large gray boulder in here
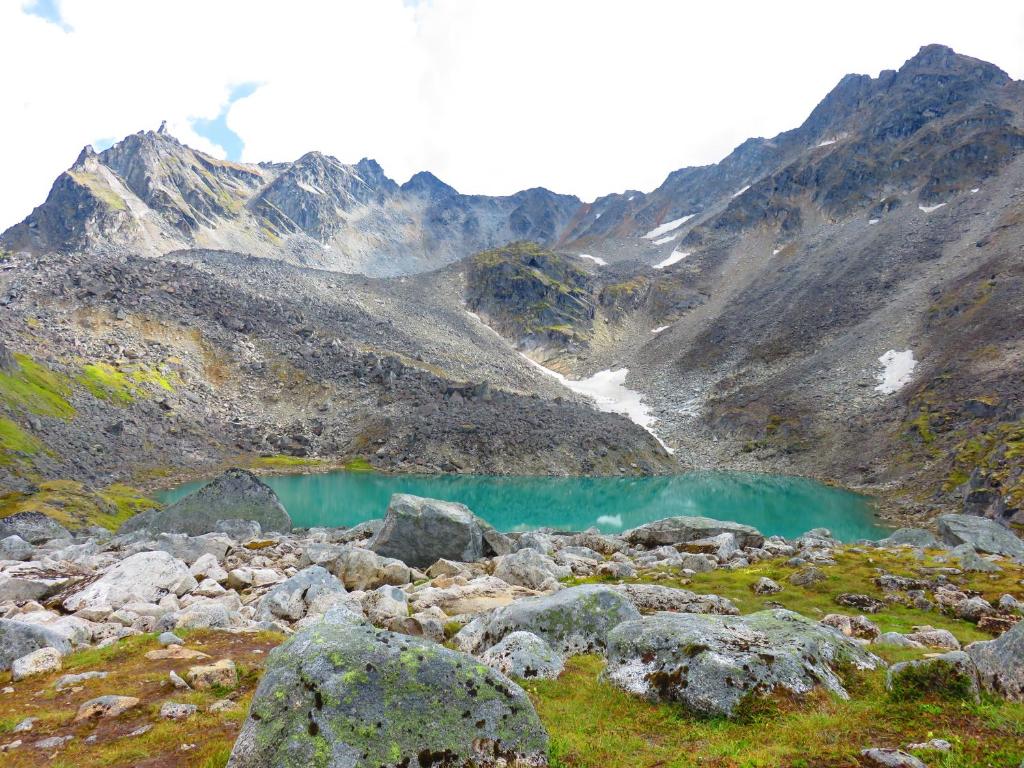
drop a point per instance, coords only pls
(981, 533)
(573, 620)
(711, 664)
(1000, 663)
(18, 639)
(312, 589)
(915, 537)
(681, 530)
(529, 568)
(524, 655)
(144, 577)
(420, 531)
(235, 495)
(649, 598)
(33, 527)
(340, 696)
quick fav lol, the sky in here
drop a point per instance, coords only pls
(584, 97)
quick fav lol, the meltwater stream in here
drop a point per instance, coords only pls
(774, 504)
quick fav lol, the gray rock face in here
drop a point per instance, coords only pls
(144, 577)
(1000, 663)
(293, 598)
(15, 548)
(355, 697)
(18, 639)
(573, 620)
(680, 530)
(420, 531)
(529, 568)
(33, 527)
(710, 664)
(524, 655)
(981, 533)
(648, 598)
(235, 495)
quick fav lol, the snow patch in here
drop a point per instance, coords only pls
(309, 188)
(660, 328)
(630, 198)
(614, 521)
(597, 216)
(976, 190)
(675, 256)
(607, 389)
(668, 226)
(897, 368)
(596, 259)
(873, 221)
(739, 192)
(663, 240)
(827, 142)
(930, 208)
(776, 251)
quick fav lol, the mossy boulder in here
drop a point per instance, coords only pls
(950, 676)
(713, 664)
(573, 620)
(235, 495)
(350, 696)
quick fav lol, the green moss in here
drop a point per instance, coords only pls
(35, 388)
(100, 189)
(110, 383)
(16, 444)
(358, 464)
(74, 506)
(938, 679)
(285, 462)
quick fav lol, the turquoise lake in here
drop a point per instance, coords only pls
(774, 504)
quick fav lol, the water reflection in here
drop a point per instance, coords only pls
(772, 503)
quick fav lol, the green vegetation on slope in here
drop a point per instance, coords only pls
(74, 506)
(16, 444)
(115, 385)
(35, 388)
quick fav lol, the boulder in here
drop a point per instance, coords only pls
(358, 697)
(970, 560)
(711, 664)
(529, 568)
(524, 655)
(33, 527)
(220, 674)
(852, 626)
(143, 577)
(18, 639)
(881, 757)
(680, 530)
(981, 533)
(292, 599)
(914, 537)
(104, 707)
(951, 675)
(573, 620)
(766, 586)
(1000, 663)
(15, 548)
(648, 598)
(807, 576)
(39, 662)
(362, 569)
(420, 531)
(235, 495)
(934, 638)
(192, 548)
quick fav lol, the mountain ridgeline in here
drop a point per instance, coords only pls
(843, 300)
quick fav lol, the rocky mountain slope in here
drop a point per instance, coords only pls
(842, 300)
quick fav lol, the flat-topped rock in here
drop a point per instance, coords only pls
(682, 530)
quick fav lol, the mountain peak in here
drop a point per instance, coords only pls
(935, 59)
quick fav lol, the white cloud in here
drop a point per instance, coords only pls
(582, 96)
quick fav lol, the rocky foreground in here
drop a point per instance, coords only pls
(429, 638)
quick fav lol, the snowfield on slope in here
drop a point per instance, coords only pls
(668, 226)
(897, 370)
(675, 256)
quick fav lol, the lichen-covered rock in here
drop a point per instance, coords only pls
(573, 620)
(14, 547)
(766, 586)
(355, 697)
(981, 533)
(524, 655)
(33, 527)
(711, 664)
(39, 662)
(143, 577)
(680, 530)
(420, 531)
(914, 537)
(529, 568)
(648, 598)
(880, 757)
(18, 639)
(952, 675)
(1000, 663)
(293, 598)
(235, 495)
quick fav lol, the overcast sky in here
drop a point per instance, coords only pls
(581, 96)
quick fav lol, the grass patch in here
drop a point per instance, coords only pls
(107, 382)
(285, 462)
(36, 389)
(74, 506)
(16, 444)
(358, 465)
(593, 724)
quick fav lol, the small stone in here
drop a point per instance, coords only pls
(69, 681)
(221, 705)
(807, 576)
(222, 673)
(25, 725)
(142, 729)
(173, 711)
(932, 745)
(10, 746)
(169, 638)
(178, 683)
(105, 707)
(766, 586)
(889, 758)
(53, 742)
(175, 652)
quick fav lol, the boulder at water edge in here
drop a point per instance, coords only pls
(235, 495)
(680, 530)
(711, 664)
(354, 697)
(420, 531)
